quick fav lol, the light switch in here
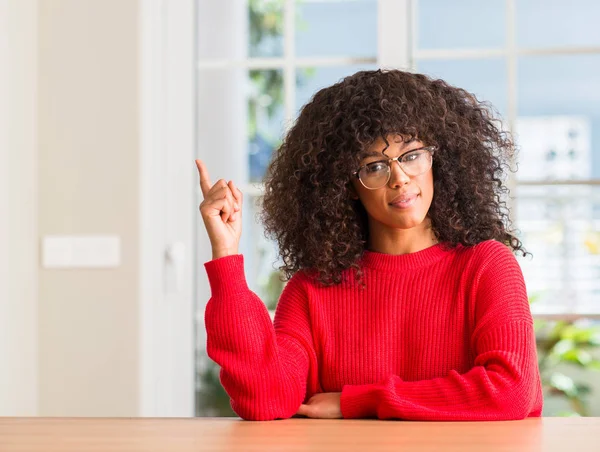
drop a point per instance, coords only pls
(81, 251)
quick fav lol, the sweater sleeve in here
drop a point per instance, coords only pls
(504, 382)
(264, 366)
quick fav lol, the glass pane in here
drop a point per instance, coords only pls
(485, 78)
(222, 122)
(260, 256)
(236, 29)
(240, 121)
(558, 124)
(265, 25)
(557, 23)
(336, 28)
(474, 24)
(265, 119)
(560, 226)
(554, 148)
(311, 80)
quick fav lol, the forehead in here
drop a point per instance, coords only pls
(379, 145)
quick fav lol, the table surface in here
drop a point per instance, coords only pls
(231, 434)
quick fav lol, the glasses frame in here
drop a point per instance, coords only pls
(430, 149)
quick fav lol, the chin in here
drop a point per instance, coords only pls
(408, 225)
(403, 223)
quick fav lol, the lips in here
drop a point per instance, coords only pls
(404, 199)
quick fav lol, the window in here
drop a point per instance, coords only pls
(544, 84)
(259, 61)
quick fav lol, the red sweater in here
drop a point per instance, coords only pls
(440, 334)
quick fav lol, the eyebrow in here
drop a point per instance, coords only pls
(367, 153)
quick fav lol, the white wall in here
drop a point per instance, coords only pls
(111, 342)
(88, 135)
(18, 217)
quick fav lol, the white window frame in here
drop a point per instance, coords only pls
(167, 214)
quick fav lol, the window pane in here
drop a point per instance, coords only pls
(560, 226)
(558, 125)
(485, 78)
(222, 122)
(336, 28)
(260, 255)
(311, 80)
(265, 119)
(557, 23)
(554, 148)
(443, 24)
(235, 29)
(240, 121)
(265, 27)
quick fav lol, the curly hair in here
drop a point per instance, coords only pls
(307, 208)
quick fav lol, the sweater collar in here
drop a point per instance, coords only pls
(399, 262)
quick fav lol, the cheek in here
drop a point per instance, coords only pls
(426, 186)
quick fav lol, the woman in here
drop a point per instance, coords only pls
(404, 299)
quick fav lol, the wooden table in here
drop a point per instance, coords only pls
(229, 434)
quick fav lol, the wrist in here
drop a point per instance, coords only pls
(217, 254)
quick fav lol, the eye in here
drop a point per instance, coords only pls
(412, 156)
(376, 167)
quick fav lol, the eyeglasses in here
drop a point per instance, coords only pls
(377, 174)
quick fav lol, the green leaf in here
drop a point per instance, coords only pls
(581, 335)
(594, 365)
(568, 414)
(539, 324)
(583, 389)
(564, 384)
(578, 356)
(563, 346)
(556, 332)
(595, 338)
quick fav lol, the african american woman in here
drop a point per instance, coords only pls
(404, 299)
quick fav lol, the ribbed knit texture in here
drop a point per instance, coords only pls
(440, 334)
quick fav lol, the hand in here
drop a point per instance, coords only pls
(326, 405)
(222, 213)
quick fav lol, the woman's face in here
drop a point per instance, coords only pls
(403, 203)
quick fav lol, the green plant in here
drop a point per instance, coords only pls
(567, 344)
(266, 94)
(211, 398)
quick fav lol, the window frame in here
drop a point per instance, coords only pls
(511, 52)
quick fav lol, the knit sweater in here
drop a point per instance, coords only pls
(439, 334)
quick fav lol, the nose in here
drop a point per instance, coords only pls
(397, 177)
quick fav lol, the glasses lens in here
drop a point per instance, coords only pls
(416, 163)
(374, 175)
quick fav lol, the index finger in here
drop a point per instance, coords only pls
(204, 179)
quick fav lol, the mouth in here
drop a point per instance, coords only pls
(404, 202)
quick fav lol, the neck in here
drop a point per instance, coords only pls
(400, 241)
